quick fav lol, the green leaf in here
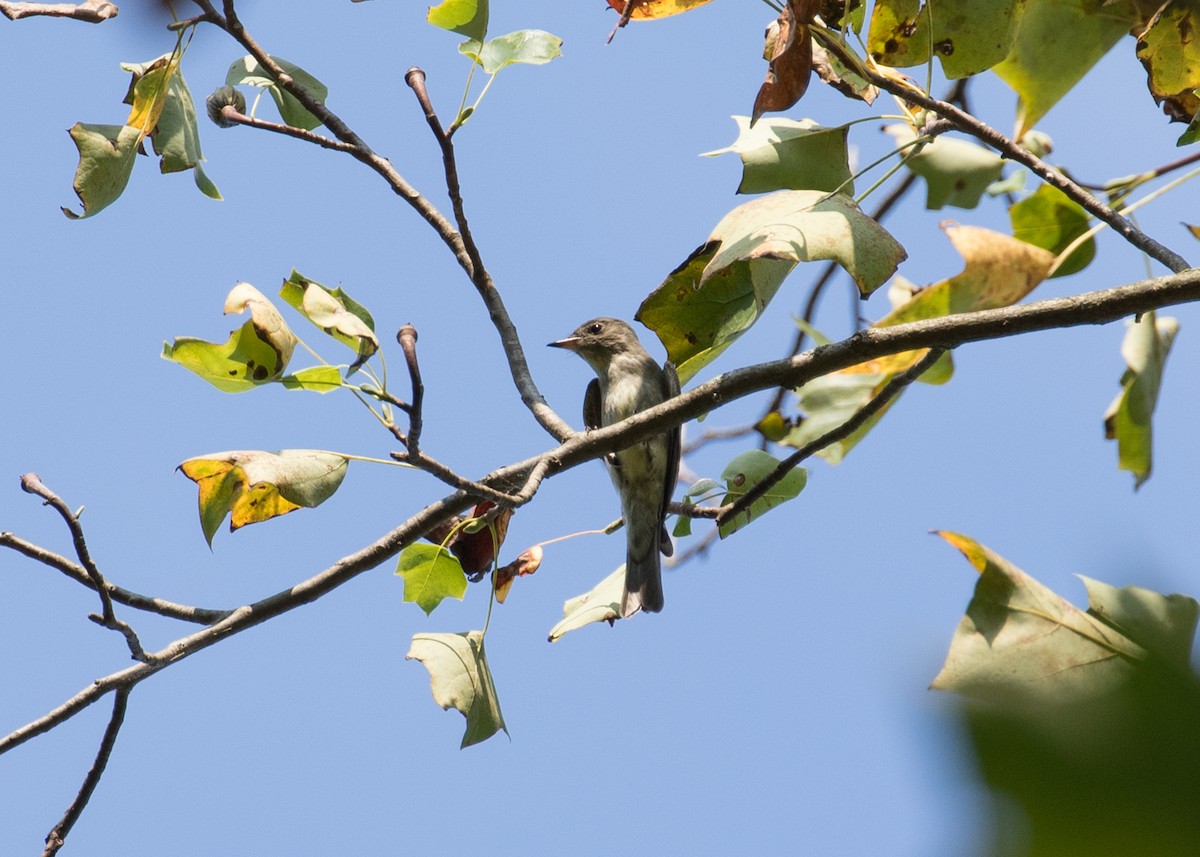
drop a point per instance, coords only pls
(1170, 52)
(711, 299)
(176, 139)
(459, 677)
(1049, 219)
(247, 71)
(253, 486)
(746, 471)
(256, 353)
(783, 154)
(531, 47)
(968, 36)
(1192, 133)
(828, 402)
(1019, 639)
(319, 379)
(335, 313)
(431, 574)
(1128, 419)
(956, 172)
(106, 154)
(601, 604)
(466, 17)
(1164, 625)
(1043, 65)
(999, 271)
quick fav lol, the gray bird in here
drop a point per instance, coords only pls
(627, 381)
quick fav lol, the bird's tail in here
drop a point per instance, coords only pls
(643, 585)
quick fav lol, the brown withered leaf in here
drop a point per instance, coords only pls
(527, 563)
(476, 550)
(790, 55)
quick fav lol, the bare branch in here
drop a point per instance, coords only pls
(231, 114)
(511, 342)
(407, 337)
(459, 243)
(247, 616)
(183, 612)
(56, 838)
(91, 11)
(31, 483)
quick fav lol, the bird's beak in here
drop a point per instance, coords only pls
(571, 343)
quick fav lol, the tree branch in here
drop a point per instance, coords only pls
(32, 484)
(877, 403)
(56, 837)
(1098, 307)
(967, 123)
(182, 612)
(91, 12)
(465, 253)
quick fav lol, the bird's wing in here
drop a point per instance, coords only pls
(671, 390)
(591, 405)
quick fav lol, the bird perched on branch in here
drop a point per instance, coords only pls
(628, 381)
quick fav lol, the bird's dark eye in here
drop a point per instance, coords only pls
(595, 327)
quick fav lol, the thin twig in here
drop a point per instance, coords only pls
(31, 483)
(1149, 175)
(57, 836)
(716, 434)
(695, 549)
(91, 12)
(967, 123)
(480, 278)
(230, 113)
(877, 403)
(183, 612)
(407, 337)
(466, 256)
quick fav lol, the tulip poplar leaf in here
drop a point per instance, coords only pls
(747, 470)
(106, 154)
(956, 172)
(1049, 219)
(466, 17)
(335, 313)
(253, 486)
(1019, 639)
(601, 604)
(318, 379)
(1128, 419)
(1043, 66)
(530, 47)
(790, 154)
(460, 678)
(999, 271)
(968, 36)
(431, 574)
(1169, 50)
(256, 353)
(719, 291)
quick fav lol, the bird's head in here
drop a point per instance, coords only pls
(598, 341)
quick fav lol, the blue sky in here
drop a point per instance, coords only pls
(778, 705)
